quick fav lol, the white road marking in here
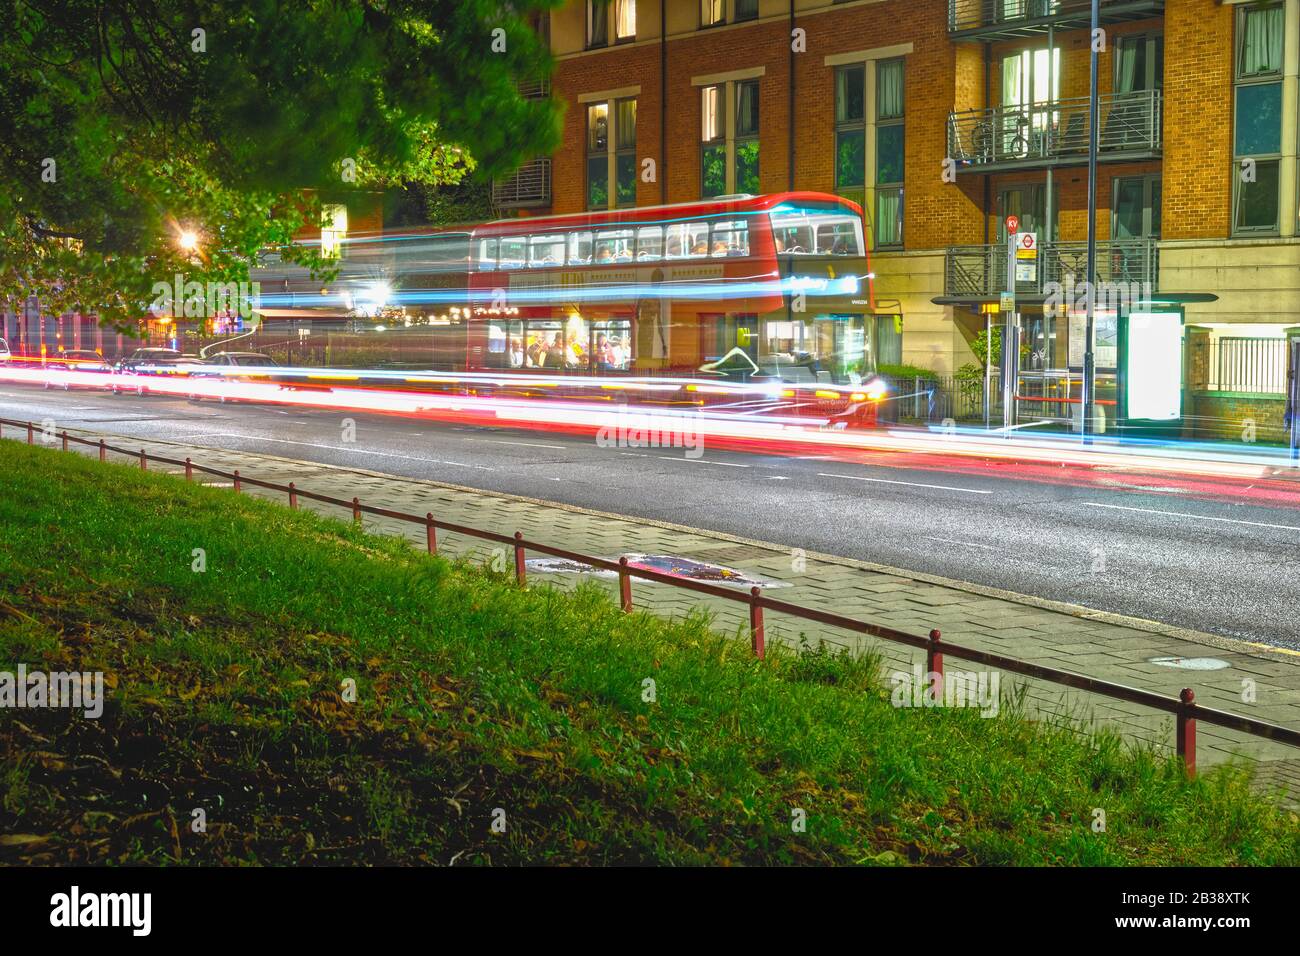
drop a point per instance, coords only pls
(913, 484)
(1183, 514)
(703, 461)
(530, 444)
(776, 477)
(964, 544)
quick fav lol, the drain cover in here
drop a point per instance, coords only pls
(1191, 663)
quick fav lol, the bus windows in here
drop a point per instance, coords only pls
(812, 231)
(649, 243)
(579, 248)
(614, 245)
(546, 250)
(730, 238)
(840, 236)
(687, 240)
(487, 255)
(512, 253)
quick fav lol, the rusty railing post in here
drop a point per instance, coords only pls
(65, 439)
(237, 484)
(293, 495)
(356, 509)
(144, 461)
(31, 438)
(934, 657)
(520, 573)
(1186, 722)
(430, 533)
(756, 629)
(624, 586)
(103, 451)
(189, 470)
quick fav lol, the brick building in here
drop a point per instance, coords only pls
(942, 117)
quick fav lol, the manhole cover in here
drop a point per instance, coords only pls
(1191, 663)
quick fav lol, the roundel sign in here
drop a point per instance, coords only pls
(1013, 224)
(1028, 242)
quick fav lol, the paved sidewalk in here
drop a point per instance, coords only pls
(1098, 644)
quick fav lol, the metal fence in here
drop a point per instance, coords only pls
(935, 398)
(1248, 364)
(1185, 710)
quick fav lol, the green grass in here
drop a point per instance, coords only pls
(476, 697)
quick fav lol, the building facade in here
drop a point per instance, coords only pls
(944, 117)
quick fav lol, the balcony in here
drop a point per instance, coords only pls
(979, 273)
(1007, 19)
(1056, 134)
(529, 186)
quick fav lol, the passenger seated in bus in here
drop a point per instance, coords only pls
(516, 354)
(719, 248)
(674, 249)
(604, 255)
(701, 248)
(623, 255)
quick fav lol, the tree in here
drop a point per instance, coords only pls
(133, 123)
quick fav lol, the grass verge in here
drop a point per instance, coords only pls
(585, 735)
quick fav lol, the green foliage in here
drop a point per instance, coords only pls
(905, 371)
(475, 694)
(123, 127)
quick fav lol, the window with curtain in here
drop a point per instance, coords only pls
(1257, 120)
(713, 144)
(1259, 41)
(712, 12)
(746, 137)
(851, 131)
(625, 152)
(624, 19)
(598, 156)
(597, 23)
(889, 153)
(1139, 63)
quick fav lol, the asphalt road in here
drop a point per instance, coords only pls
(1139, 545)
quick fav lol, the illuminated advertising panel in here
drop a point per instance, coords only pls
(1154, 380)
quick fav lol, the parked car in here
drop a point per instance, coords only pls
(5, 354)
(132, 372)
(77, 360)
(223, 365)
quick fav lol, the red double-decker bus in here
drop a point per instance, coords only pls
(774, 287)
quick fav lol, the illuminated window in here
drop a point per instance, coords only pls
(334, 232)
(714, 13)
(729, 142)
(611, 155)
(624, 20)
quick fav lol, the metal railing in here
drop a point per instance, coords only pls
(1248, 364)
(1007, 137)
(1185, 710)
(529, 185)
(1124, 267)
(1014, 16)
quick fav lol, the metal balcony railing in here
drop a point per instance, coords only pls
(1011, 18)
(1009, 137)
(529, 186)
(1129, 267)
(537, 89)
